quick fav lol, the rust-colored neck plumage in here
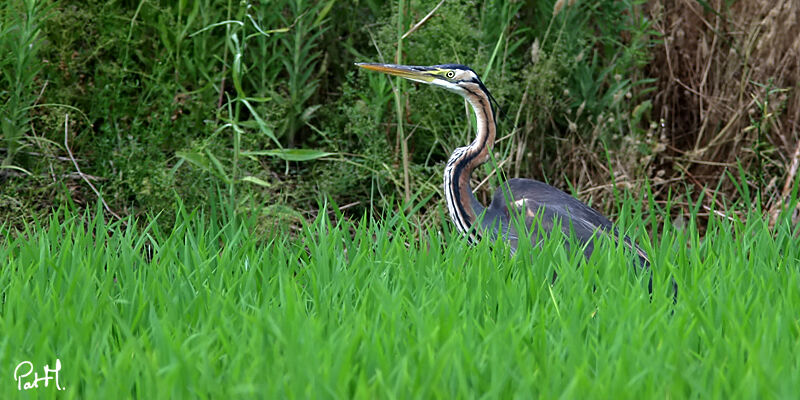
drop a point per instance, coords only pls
(463, 206)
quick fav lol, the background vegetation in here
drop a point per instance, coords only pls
(259, 102)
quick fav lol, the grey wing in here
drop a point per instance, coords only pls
(554, 207)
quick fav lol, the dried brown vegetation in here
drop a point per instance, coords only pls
(728, 80)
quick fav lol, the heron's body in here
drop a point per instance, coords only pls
(542, 206)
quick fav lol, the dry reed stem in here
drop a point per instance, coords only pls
(422, 21)
(82, 175)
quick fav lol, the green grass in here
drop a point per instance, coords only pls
(383, 310)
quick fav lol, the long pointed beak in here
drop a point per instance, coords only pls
(404, 71)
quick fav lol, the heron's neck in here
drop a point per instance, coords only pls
(463, 206)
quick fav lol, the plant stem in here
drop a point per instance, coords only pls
(399, 103)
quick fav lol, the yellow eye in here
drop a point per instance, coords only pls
(450, 74)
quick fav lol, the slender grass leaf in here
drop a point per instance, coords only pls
(290, 154)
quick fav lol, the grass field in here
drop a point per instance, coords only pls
(382, 310)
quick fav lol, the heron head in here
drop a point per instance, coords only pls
(453, 77)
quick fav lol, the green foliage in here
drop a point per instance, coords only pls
(153, 81)
(20, 26)
(301, 61)
(374, 309)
